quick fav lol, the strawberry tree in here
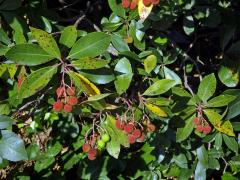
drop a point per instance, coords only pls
(148, 89)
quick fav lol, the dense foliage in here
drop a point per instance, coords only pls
(131, 89)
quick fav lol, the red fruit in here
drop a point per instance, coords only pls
(91, 157)
(197, 121)
(207, 129)
(133, 4)
(71, 91)
(92, 154)
(126, 3)
(60, 91)
(147, 2)
(67, 108)
(155, 2)
(131, 139)
(136, 133)
(128, 128)
(199, 128)
(57, 106)
(119, 124)
(86, 147)
(72, 100)
(142, 137)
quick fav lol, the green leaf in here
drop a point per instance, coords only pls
(36, 81)
(91, 45)
(122, 82)
(159, 87)
(207, 87)
(9, 5)
(4, 37)
(219, 101)
(28, 54)
(218, 141)
(47, 42)
(150, 63)
(99, 76)
(119, 43)
(181, 160)
(188, 25)
(5, 122)
(231, 143)
(116, 8)
(69, 36)
(98, 97)
(12, 147)
(169, 74)
(89, 63)
(228, 176)
(216, 120)
(3, 49)
(19, 38)
(54, 150)
(202, 156)
(44, 163)
(228, 76)
(184, 132)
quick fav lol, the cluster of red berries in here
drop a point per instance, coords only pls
(66, 99)
(132, 4)
(95, 144)
(149, 2)
(202, 125)
(131, 129)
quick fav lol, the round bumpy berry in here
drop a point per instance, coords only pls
(126, 3)
(128, 128)
(58, 105)
(100, 144)
(67, 108)
(86, 147)
(72, 100)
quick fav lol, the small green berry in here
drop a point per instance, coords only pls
(101, 144)
(105, 138)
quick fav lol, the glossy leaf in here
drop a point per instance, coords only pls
(91, 45)
(159, 87)
(28, 54)
(207, 87)
(184, 132)
(12, 147)
(150, 63)
(220, 101)
(216, 120)
(231, 143)
(228, 76)
(5, 122)
(68, 36)
(47, 42)
(89, 63)
(36, 81)
(123, 80)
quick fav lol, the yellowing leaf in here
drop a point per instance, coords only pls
(143, 10)
(84, 84)
(216, 120)
(156, 110)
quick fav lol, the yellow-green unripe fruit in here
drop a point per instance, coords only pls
(105, 138)
(100, 144)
